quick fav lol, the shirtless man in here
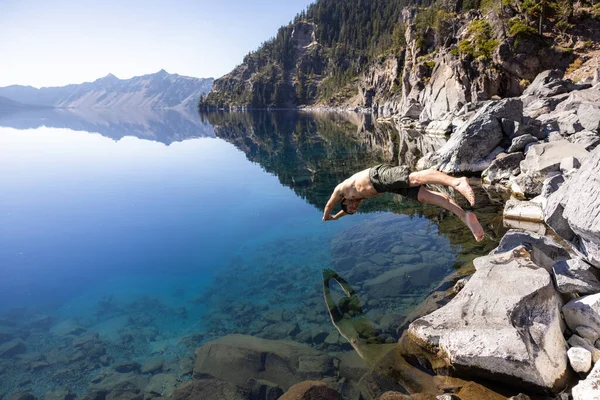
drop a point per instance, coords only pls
(398, 179)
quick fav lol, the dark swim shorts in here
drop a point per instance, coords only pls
(393, 179)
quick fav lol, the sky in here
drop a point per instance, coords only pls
(59, 42)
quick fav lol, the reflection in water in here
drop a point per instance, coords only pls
(165, 126)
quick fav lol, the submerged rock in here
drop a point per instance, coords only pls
(237, 358)
(310, 390)
(210, 389)
(512, 333)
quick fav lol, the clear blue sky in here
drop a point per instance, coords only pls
(57, 42)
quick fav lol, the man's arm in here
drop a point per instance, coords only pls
(336, 197)
(339, 215)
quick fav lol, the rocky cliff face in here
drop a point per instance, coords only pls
(160, 90)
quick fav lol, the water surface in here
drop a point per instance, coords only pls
(161, 232)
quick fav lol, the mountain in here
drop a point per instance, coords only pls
(8, 104)
(153, 91)
(415, 58)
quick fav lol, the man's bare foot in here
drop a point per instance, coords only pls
(465, 189)
(474, 226)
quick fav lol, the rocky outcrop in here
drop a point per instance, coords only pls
(309, 390)
(512, 333)
(474, 146)
(210, 389)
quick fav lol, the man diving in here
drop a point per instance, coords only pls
(384, 178)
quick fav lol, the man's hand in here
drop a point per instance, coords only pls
(328, 217)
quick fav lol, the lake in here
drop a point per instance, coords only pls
(127, 237)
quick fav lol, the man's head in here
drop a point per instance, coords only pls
(350, 206)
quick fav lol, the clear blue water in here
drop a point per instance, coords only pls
(196, 234)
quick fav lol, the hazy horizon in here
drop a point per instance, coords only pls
(69, 42)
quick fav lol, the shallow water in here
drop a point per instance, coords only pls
(160, 232)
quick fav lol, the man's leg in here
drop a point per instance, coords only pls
(435, 177)
(444, 201)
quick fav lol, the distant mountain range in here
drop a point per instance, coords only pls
(154, 91)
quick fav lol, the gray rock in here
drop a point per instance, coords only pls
(552, 184)
(587, 389)
(548, 83)
(526, 185)
(502, 168)
(153, 365)
(555, 136)
(511, 128)
(519, 143)
(576, 276)
(544, 250)
(569, 164)
(471, 148)
(583, 311)
(578, 341)
(586, 139)
(439, 127)
(582, 205)
(569, 124)
(587, 333)
(237, 358)
(576, 98)
(589, 116)
(513, 331)
(523, 211)
(12, 348)
(580, 359)
(546, 157)
(554, 214)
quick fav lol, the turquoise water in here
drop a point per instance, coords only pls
(158, 246)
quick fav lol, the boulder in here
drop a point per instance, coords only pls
(200, 389)
(237, 358)
(588, 389)
(548, 83)
(582, 205)
(518, 144)
(512, 333)
(569, 164)
(568, 123)
(587, 139)
(403, 279)
(439, 127)
(589, 116)
(576, 98)
(544, 251)
(12, 348)
(576, 276)
(587, 333)
(552, 184)
(523, 210)
(502, 168)
(153, 365)
(162, 384)
(264, 390)
(67, 328)
(578, 341)
(22, 396)
(580, 359)
(553, 212)
(583, 311)
(546, 157)
(311, 390)
(474, 145)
